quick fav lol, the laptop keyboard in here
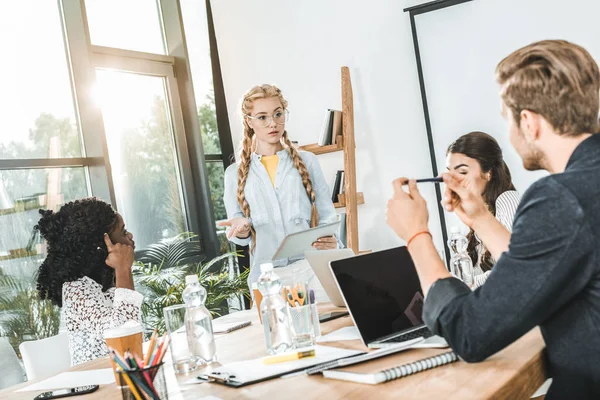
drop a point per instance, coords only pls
(422, 332)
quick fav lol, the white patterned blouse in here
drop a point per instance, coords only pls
(506, 208)
(88, 312)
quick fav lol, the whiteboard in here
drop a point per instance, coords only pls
(460, 47)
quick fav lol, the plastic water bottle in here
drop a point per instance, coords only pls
(276, 318)
(198, 323)
(461, 265)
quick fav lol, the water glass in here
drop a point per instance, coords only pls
(183, 360)
(303, 325)
(316, 322)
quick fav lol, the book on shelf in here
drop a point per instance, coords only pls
(342, 233)
(327, 122)
(337, 126)
(337, 186)
(331, 128)
(390, 374)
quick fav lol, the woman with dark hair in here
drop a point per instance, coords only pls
(478, 156)
(87, 272)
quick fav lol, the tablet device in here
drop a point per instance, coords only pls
(295, 244)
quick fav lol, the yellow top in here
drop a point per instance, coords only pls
(270, 163)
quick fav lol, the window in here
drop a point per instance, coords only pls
(42, 163)
(126, 24)
(90, 107)
(36, 100)
(216, 139)
(142, 153)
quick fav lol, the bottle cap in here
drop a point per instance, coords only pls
(191, 279)
(266, 267)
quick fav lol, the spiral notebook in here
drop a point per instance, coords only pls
(391, 374)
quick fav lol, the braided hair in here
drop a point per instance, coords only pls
(264, 92)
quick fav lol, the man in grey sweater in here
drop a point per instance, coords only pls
(548, 269)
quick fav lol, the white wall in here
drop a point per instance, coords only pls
(300, 47)
(460, 48)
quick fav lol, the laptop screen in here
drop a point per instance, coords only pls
(382, 292)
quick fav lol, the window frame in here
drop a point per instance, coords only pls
(83, 58)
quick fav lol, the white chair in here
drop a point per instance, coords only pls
(12, 372)
(46, 357)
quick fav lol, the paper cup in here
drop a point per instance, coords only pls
(127, 337)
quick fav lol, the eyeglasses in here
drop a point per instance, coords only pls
(280, 117)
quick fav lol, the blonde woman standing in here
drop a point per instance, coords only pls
(274, 189)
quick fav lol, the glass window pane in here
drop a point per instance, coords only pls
(36, 97)
(142, 154)
(216, 177)
(126, 24)
(22, 193)
(195, 25)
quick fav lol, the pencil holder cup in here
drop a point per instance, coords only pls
(143, 383)
(303, 326)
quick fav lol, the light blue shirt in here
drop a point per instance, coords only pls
(277, 210)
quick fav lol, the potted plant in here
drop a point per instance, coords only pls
(160, 272)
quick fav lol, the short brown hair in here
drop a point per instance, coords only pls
(554, 78)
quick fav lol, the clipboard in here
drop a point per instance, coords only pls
(244, 373)
(295, 244)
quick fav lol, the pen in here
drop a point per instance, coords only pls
(437, 179)
(288, 357)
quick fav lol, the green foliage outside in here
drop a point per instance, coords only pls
(153, 182)
(160, 275)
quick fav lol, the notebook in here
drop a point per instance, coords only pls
(363, 357)
(391, 374)
(244, 373)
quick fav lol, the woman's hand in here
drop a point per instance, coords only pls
(120, 256)
(462, 198)
(407, 213)
(326, 243)
(239, 227)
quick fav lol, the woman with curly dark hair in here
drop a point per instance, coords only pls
(87, 272)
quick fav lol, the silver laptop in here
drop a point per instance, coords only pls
(383, 295)
(319, 262)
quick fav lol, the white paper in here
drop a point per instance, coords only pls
(345, 333)
(251, 370)
(74, 379)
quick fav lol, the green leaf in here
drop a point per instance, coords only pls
(160, 274)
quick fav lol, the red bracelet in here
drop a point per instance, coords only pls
(415, 235)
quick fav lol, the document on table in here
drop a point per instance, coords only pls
(73, 379)
(345, 333)
(245, 372)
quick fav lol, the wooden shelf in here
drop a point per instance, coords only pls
(331, 148)
(23, 206)
(360, 199)
(18, 253)
(350, 199)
